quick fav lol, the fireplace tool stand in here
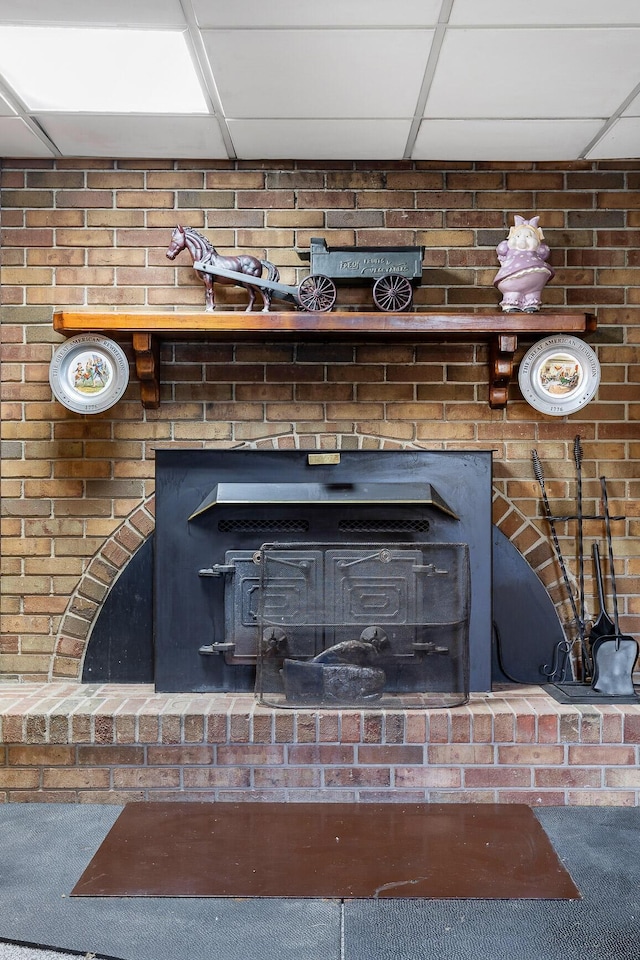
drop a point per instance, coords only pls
(607, 657)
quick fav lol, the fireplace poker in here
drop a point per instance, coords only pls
(612, 570)
(587, 667)
(564, 647)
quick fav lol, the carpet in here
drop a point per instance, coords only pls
(326, 851)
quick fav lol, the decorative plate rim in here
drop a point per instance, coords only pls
(101, 347)
(571, 350)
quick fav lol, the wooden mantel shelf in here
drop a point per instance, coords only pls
(148, 329)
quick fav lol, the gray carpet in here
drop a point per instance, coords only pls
(44, 849)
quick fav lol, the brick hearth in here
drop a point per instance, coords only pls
(70, 742)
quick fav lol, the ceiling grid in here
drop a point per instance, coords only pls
(442, 80)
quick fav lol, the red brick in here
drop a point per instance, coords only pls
(568, 777)
(201, 777)
(535, 754)
(250, 754)
(548, 728)
(497, 777)
(291, 777)
(80, 778)
(357, 777)
(622, 777)
(350, 727)
(321, 754)
(39, 756)
(534, 798)
(632, 727)
(19, 779)
(416, 731)
(372, 728)
(461, 753)
(110, 756)
(146, 777)
(387, 754)
(148, 729)
(481, 723)
(103, 729)
(179, 755)
(602, 798)
(428, 777)
(602, 755)
(306, 727)
(438, 727)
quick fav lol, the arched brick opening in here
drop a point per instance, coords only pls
(85, 604)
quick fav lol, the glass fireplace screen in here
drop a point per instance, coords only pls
(374, 624)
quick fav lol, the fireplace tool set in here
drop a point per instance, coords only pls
(607, 656)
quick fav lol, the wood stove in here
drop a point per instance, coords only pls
(324, 578)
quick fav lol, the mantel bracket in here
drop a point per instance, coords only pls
(146, 349)
(502, 350)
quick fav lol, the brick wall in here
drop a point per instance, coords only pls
(77, 491)
(111, 744)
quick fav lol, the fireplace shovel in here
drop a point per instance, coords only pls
(603, 625)
(614, 655)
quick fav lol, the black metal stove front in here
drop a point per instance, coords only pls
(321, 575)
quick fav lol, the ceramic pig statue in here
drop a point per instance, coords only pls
(523, 268)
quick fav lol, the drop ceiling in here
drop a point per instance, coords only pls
(436, 80)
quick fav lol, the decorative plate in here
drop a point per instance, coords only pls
(559, 375)
(89, 373)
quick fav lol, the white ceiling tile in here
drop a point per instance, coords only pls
(218, 14)
(570, 12)
(122, 13)
(17, 140)
(102, 135)
(319, 139)
(74, 63)
(318, 73)
(621, 142)
(516, 140)
(538, 73)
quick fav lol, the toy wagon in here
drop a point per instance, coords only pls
(394, 271)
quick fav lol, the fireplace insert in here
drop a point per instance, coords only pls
(320, 578)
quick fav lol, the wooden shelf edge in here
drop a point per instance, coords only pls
(147, 329)
(293, 323)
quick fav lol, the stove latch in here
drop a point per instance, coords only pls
(218, 570)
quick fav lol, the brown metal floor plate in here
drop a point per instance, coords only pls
(335, 851)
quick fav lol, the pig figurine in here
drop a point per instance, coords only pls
(523, 269)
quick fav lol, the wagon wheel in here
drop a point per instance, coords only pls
(317, 293)
(392, 293)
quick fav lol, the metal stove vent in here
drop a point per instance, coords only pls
(258, 525)
(417, 524)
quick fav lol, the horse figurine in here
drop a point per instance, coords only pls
(186, 238)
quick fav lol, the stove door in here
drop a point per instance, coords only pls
(289, 597)
(373, 586)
